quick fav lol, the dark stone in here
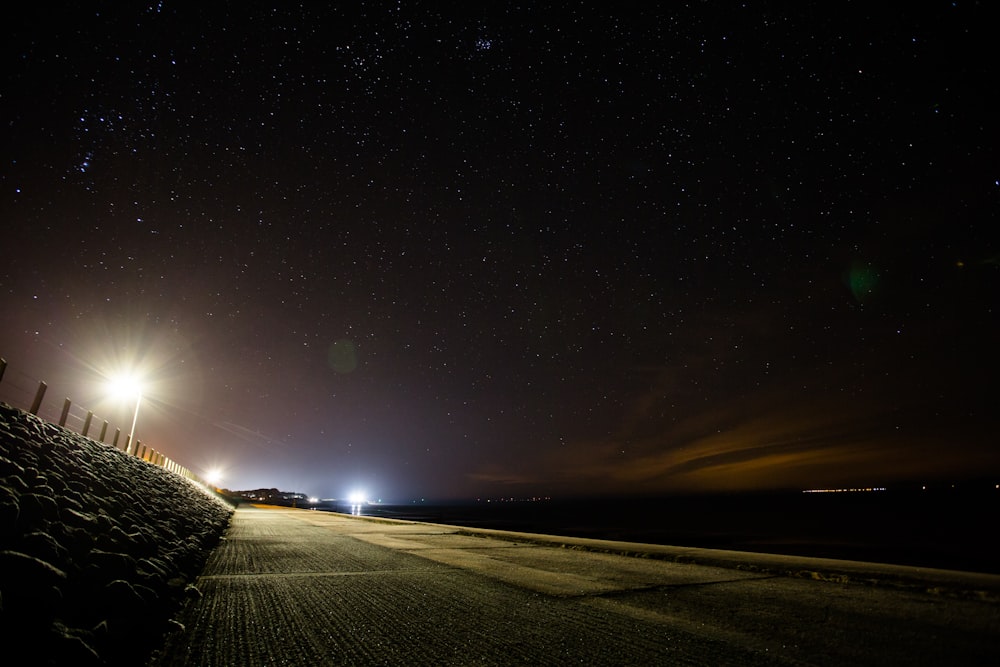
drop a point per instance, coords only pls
(72, 517)
(111, 565)
(10, 509)
(43, 546)
(20, 569)
(69, 648)
(36, 510)
(16, 483)
(78, 540)
(60, 496)
(30, 585)
(122, 598)
(8, 468)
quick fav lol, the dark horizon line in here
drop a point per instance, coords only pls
(975, 484)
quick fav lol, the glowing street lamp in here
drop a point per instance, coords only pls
(127, 386)
(214, 477)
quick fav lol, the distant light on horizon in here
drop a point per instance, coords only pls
(858, 490)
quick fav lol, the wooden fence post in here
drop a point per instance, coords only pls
(145, 453)
(39, 395)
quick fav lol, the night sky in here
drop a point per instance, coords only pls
(449, 250)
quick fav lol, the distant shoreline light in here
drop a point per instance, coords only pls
(512, 499)
(873, 488)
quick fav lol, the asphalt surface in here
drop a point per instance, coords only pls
(300, 587)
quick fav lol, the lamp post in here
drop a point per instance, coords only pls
(135, 418)
(126, 385)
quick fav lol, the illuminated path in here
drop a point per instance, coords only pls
(299, 587)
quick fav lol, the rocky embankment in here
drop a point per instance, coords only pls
(98, 549)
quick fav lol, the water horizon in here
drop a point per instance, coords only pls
(947, 527)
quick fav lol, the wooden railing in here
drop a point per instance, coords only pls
(16, 391)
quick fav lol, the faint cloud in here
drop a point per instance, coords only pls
(501, 476)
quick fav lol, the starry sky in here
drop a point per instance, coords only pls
(453, 249)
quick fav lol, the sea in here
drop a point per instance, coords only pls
(950, 528)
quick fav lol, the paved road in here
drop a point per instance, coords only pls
(299, 587)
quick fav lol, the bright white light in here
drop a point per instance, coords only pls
(357, 497)
(127, 386)
(213, 476)
(124, 386)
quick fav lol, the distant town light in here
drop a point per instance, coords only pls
(859, 490)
